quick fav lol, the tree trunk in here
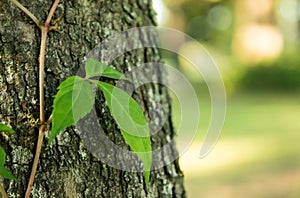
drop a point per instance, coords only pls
(66, 167)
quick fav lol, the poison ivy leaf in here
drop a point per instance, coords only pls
(94, 68)
(130, 118)
(6, 173)
(7, 129)
(73, 101)
(2, 156)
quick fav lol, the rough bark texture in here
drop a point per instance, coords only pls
(66, 168)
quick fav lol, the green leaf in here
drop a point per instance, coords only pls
(125, 110)
(7, 129)
(142, 147)
(94, 68)
(3, 171)
(6, 173)
(130, 118)
(2, 156)
(73, 101)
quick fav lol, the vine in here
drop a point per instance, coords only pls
(75, 99)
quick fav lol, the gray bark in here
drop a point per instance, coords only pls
(67, 168)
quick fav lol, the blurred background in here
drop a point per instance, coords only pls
(255, 44)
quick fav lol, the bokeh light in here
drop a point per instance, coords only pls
(289, 10)
(256, 46)
(220, 18)
(256, 43)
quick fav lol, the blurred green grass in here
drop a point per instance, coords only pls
(257, 154)
(258, 114)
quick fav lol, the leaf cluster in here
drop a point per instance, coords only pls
(76, 97)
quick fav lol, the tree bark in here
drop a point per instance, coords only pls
(66, 168)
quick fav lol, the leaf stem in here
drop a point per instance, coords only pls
(27, 12)
(45, 29)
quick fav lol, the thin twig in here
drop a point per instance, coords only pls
(45, 30)
(37, 22)
(41, 73)
(51, 13)
(36, 160)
